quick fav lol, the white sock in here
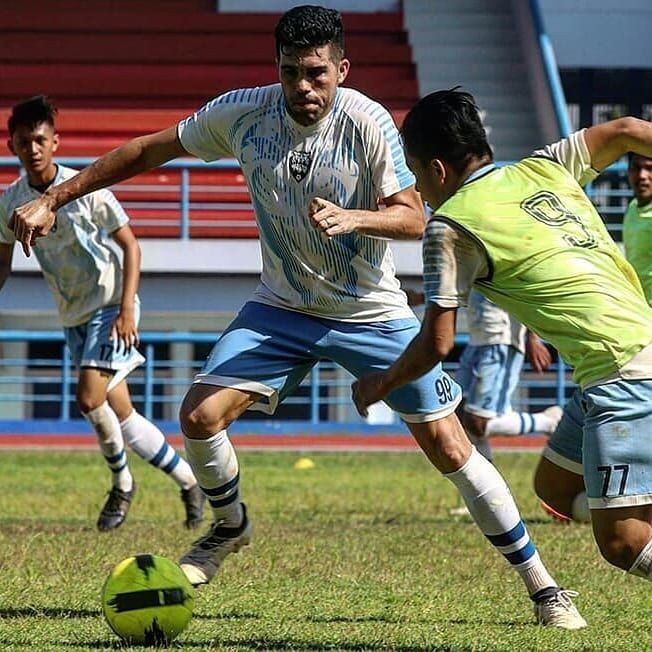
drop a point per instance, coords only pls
(580, 511)
(492, 507)
(109, 436)
(216, 468)
(149, 442)
(643, 564)
(520, 423)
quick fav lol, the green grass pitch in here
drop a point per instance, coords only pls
(357, 553)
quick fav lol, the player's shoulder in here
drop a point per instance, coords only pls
(16, 193)
(361, 108)
(246, 98)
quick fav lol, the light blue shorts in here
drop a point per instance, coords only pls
(488, 375)
(606, 434)
(90, 345)
(269, 350)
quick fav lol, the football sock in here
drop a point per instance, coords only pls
(492, 507)
(643, 564)
(147, 441)
(520, 423)
(482, 445)
(216, 468)
(109, 436)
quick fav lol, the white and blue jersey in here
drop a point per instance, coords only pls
(82, 270)
(353, 158)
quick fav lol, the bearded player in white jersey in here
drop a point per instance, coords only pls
(318, 159)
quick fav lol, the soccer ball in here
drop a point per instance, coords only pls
(147, 599)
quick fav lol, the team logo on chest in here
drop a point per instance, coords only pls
(300, 164)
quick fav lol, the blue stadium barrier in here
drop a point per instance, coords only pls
(609, 192)
(42, 385)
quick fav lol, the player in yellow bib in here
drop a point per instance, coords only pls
(637, 223)
(528, 238)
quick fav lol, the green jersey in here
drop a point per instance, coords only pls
(637, 238)
(553, 265)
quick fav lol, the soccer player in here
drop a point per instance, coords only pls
(98, 305)
(317, 158)
(530, 239)
(637, 223)
(562, 486)
(489, 369)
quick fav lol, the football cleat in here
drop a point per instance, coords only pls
(558, 610)
(193, 501)
(201, 562)
(115, 509)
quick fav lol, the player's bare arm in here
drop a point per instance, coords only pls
(402, 218)
(125, 328)
(432, 345)
(6, 254)
(609, 141)
(537, 352)
(35, 219)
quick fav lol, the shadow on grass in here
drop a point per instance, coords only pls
(268, 644)
(48, 612)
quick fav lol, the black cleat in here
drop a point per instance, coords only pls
(115, 509)
(193, 500)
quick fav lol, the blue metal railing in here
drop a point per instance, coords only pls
(550, 69)
(609, 192)
(28, 384)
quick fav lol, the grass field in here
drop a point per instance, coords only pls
(358, 553)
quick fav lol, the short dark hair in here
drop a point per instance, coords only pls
(309, 26)
(32, 112)
(633, 155)
(447, 125)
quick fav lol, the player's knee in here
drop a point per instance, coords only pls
(87, 401)
(617, 550)
(199, 421)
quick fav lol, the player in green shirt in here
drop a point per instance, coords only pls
(637, 223)
(528, 238)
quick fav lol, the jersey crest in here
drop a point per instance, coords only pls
(300, 164)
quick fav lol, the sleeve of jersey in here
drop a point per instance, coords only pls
(390, 171)
(573, 154)
(451, 263)
(205, 133)
(6, 235)
(106, 210)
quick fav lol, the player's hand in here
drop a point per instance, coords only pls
(125, 331)
(330, 218)
(368, 390)
(31, 221)
(537, 353)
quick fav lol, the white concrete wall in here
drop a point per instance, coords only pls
(600, 33)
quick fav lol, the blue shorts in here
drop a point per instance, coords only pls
(608, 429)
(488, 375)
(268, 351)
(90, 345)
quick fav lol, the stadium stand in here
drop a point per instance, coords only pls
(120, 69)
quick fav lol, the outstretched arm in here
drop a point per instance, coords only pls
(432, 345)
(35, 219)
(609, 141)
(125, 328)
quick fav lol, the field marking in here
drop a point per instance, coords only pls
(273, 442)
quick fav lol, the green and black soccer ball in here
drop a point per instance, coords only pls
(147, 599)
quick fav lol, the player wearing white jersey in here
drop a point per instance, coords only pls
(317, 159)
(98, 306)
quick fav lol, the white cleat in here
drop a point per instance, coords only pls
(559, 611)
(201, 562)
